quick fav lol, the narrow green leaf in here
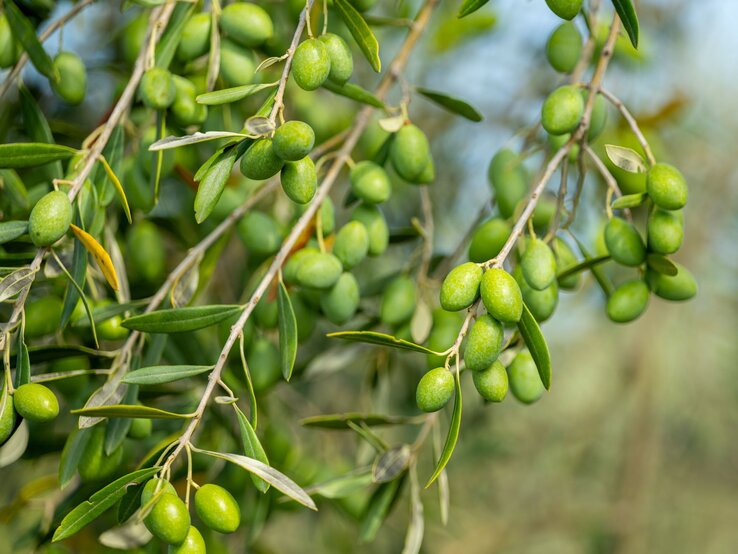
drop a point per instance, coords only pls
(15, 282)
(662, 264)
(72, 454)
(23, 367)
(128, 410)
(287, 332)
(629, 201)
(599, 275)
(157, 375)
(390, 464)
(469, 7)
(108, 311)
(453, 434)
(454, 105)
(354, 92)
(628, 16)
(379, 507)
(157, 160)
(626, 159)
(113, 153)
(81, 294)
(130, 503)
(166, 46)
(29, 154)
(361, 32)
(46, 353)
(343, 486)
(35, 124)
(341, 421)
(117, 429)
(536, 343)
(78, 272)
(98, 503)
(168, 143)
(14, 189)
(25, 33)
(179, 320)
(234, 94)
(589, 263)
(416, 525)
(372, 337)
(214, 181)
(252, 447)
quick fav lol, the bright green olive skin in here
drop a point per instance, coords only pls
(43, 316)
(538, 264)
(157, 89)
(677, 288)
(72, 83)
(184, 108)
(299, 180)
(565, 9)
(562, 110)
(327, 216)
(95, 465)
(342, 63)
(483, 344)
(565, 258)
(665, 231)
(446, 326)
(525, 383)
(508, 179)
(501, 295)
(146, 251)
(289, 272)
(311, 64)
(140, 428)
(168, 520)
(9, 51)
(541, 303)
(428, 175)
(624, 243)
(151, 486)
(370, 182)
(237, 65)
(260, 233)
(667, 187)
(340, 302)
(564, 47)
(50, 218)
(628, 301)
(260, 162)
(488, 239)
(319, 271)
(195, 39)
(193, 544)
(352, 244)
(460, 288)
(435, 389)
(598, 119)
(247, 24)
(263, 361)
(7, 418)
(111, 328)
(410, 152)
(398, 301)
(373, 219)
(492, 382)
(293, 140)
(217, 508)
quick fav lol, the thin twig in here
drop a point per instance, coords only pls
(606, 175)
(632, 123)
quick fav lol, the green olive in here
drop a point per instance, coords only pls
(666, 187)
(95, 464)
(352, 244)
(157, 88)
(598, 119)
(71, 85)
(491, 383)
(43, 316)
(538, 264)
(564, 47)
(7, 417)
(195, 39)
(260, 161)
(460, 288)
(75, 386)
(410, 152)
(435, 389)
(340, 302)
(9, 50)
(624, 243)
(509, 181)
(484, 343)
(264, 362)
(185, 109)
(247, 24)
(445, 330)
(156, 486)
(665, 231)
(428, 175)
(193, 543)
(319, 271)
(237, 64)
(50, 218)
(370, 182)
(342, 63)
(541, 303)
(146, 252)
(565, 9)
(111, 328)
(501, 295)
(327, 216)
(681, 286)
(289, 271)
(133, 36)
(628, 301)
(562, 110)
(525, 382)
(488, 239)
(311, 64)
(140, 428)
(266, 313)
(398, 301)
(293, 140)
(373, 219)
(260, 234)
(556, 142)
(169, 520)
(565, 259)
(217, 508)
(299, 180)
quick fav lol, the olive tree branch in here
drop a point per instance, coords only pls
(632, 123)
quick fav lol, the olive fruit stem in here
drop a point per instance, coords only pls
(612, 184)
(632, 123)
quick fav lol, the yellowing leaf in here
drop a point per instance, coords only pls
(98, 252)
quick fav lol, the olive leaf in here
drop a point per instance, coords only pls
(109, 394)
(259, 125)
(354, 92)
(453, 105)
(252, 447)
(15, 446)
(626, 159)
(234, 94)
(78, 272)
(108, 311)
(372, 337)
(14, 189)
(599, 275)
(214, 181)
(128, 410)
(184, 288)
(158, 375)
(379, 506)
(287, 332)
(167, 44)
(343, 486)
(15, 282)
(416, 527)
(662, 264)
(23, 363)
(392, 124)
(117, 429)
(30, 154)
(453, 433)
(390, 464)
(469, 7)
(99, 254)
(361, 32)
(81, 295)
(72, 454)
(98, 503)
(588, 263)
(25, 33)
(130, 503)
(629, 201)
(342, 421)
(628, 16)
(170, 142)
(11, 230)
(38, 129)
(62, 375)
(536, 343)
(180, 320)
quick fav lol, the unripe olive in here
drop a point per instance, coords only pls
(342, 63)
(237, 65)
(311, 64)
(43, 316)
(50, 218)
(76, 385)
(509, 180)
(557, 142)
(140, 428)
(260, 161)
(169, 520)
(327, 218)
(9, 50)
(460, 288)
(525, 382)
(153, 486)
(445, 330)
(410, 152)
(562, 110)
(488, 239)
(247, 24)
(71, 85)
(370, 182)
(289, 271)
(373, 219)
(484, 343)
(157, 89)
(565, 258)
(193, 543)
(319, 271)
(666, 187)
(264, 362)
(538, 264)
(146, 252)
(7, 418)
(628, 301)
(299, 180)
(217, 508)
(681, 286)
(541, 303)
(565, 9)
(184, 108)
(624, 243)
(111, 328)
(260, 233)
(352, 244)
(293, 140)
(665, 231)
(428, 175)
(398, 301)
(435, 389)
(564, 47)
(598, 119)
(195, 39)
(491, 383)
(94, 464)
(133, 36)
(501, 295)
(543, 213)
(266, 313)
(340, 302)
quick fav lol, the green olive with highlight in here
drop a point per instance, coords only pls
(370, 182)
(665, 231)
(435, 389)
(217, 508)
(460, 288)
(676, 288)
(7, 417)
(525, 382)
(562, 110)
(246, 23)
(293, 140)
(538, 264)
(340, 302)
(156, 486)
(260, 162)
(195, 40)
(564, 47)
(565, 9)
(352, 244)
(169, 519)
(319, 271)
(398, 301)
(299, 180)
(50, 218)
(624, 242)
(628, 301)
(157, 88)
(483, 343)
(492, 382)
(541, 303)
(667, 187)
(192, 544)
(342, 63)
(501, 295)
(71, 86)
(36, 403)
(488, 239)
(311, 64)
(410, 152)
